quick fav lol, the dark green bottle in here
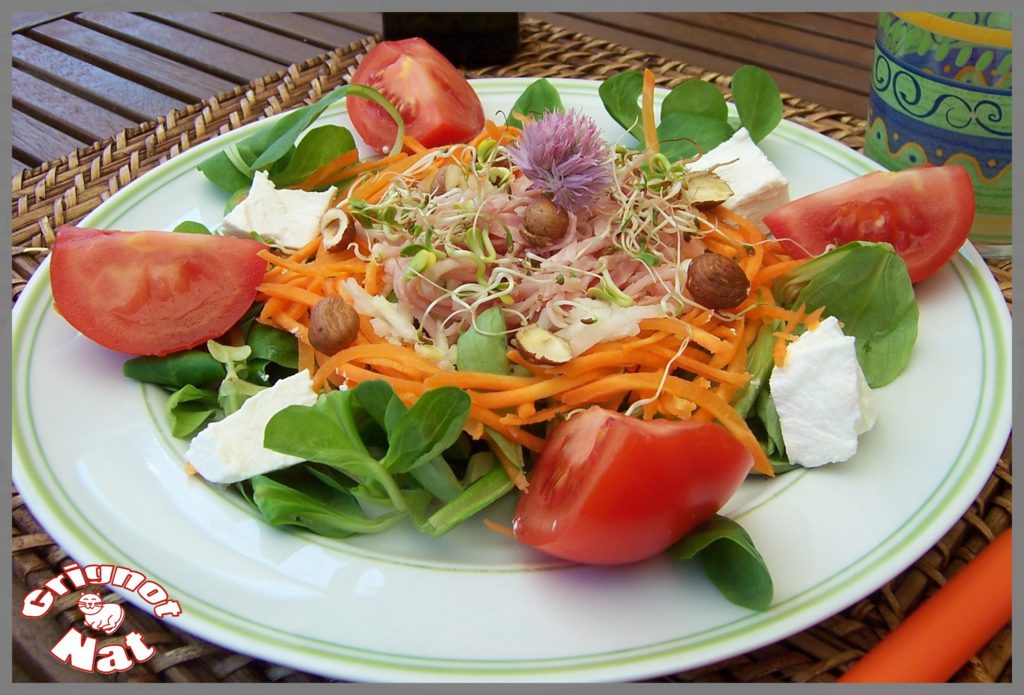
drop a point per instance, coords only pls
(468, 39)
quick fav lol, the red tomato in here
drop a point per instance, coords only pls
(925, 213)
(610, 489)
(435, 100)
(152, 293)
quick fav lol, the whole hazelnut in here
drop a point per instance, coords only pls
(333, 325)
(544, 222)
(716, 281)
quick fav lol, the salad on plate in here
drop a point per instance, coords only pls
(619, 332)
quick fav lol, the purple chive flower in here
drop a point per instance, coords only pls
(564, 155)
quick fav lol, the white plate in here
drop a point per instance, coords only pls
(95, 462)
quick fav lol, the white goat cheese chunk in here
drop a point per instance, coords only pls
(231, 449)
(283, 217)
(823, 400)
(757, 184)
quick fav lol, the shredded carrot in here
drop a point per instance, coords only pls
(647, 112)
(413, 144)
(498, 528)
(329, 172)
(687, 367)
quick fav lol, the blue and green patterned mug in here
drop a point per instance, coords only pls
(940, 93)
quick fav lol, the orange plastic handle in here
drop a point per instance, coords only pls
(947, 629)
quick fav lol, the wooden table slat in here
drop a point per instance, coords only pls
(867, 19)
(790, 39)
(366, 22)
(67, 112)
(825, 25)
(144, 66)
(828, 95)
(268, 44)
(20, 21)
(778, 59)
(319, 32)
(35, 142)
(202, 53)
(131, 99)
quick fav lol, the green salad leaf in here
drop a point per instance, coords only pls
(537, 99)
(757, 100)
(189, 367)
(867, 287)
(189, 408)
(730, 560)
(695, 115)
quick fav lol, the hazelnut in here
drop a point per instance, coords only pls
(716, 281)
(338, 228)
(544, 222)
(707, 190)
(540, 346)
(333, 325)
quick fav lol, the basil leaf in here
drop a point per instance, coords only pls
(730, 560)
(190, 227)
(483, 347)
(537, 99)
(757, 100)
(318, 147)
(698, 97)
(195, 367)
(189, 408)
(425, 430)
(684, 135)
(620, 95)
(867, 287)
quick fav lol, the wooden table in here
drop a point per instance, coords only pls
(81, 77)
(82, 80)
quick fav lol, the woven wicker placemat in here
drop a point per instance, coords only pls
(66, 190)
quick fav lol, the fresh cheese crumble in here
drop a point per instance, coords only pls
(757, 184)
(823, 400)
(282, 217)
(231, 449)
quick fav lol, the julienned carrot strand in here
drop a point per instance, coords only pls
(328, 172)
(290, 293)
(698, 335)
(539, 416)
(413, 144)
(493, 420)
(533, 392)
(307, 360)
(767, 273)
(647, 112)
(480, 381)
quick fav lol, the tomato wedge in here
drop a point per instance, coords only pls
(438, 105)
(609, 489)
(152, 293)
(926, 214)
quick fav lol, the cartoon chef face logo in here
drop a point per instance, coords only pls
(106, 617)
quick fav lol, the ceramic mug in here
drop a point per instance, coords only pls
(940, 93)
